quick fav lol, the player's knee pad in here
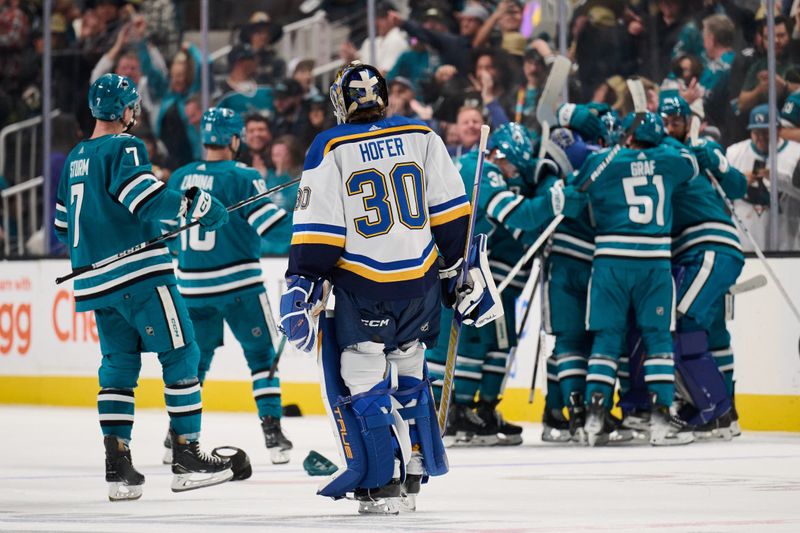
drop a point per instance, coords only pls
(419, 410)
(409, 358)
(180, 364)
(120, 370)
(698, 379)
(370, 431)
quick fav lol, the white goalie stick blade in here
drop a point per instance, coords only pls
(698, 114)
(638, 95)
(546, 108)
(756, 282)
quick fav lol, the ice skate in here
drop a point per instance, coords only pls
(555, 428)
(617, 433)
(508, 434)
(383, 500)
(411, 486)
(719, 428)
(736, 430)
(167, 459)
(466, 428)
(595, 426)
(124, 481)
(277, 443)
(195, 469)
(577, 418)
(666, 429)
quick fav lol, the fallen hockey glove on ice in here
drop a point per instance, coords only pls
(299, 308)
(202, 206)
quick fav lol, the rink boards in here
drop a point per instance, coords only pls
(49, 354)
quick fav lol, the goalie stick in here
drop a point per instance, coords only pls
(147, 245)
(756, 282)
(546, 107)
(640, 105)
(455, 327)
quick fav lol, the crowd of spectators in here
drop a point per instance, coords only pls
(453, 64)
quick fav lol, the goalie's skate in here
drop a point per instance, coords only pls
(411, 486)
(383, 500)
(555, 428)
(667, 429)
(277, 443)
(595, 426)
(716, 429)
(124, 481)
(195, 469)
(167, 459)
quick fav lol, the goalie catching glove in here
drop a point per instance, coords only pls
(476, 301)
(198, 204)
(300, 305)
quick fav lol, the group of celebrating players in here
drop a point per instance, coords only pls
(633, 282)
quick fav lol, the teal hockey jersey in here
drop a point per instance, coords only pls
(701, 221)
(214, 265)
(108, 200)
(573, 239)
(503, 214)
(631, 201)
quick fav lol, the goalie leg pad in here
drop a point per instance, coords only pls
(362, 422)
(419, 409)
(699, 379)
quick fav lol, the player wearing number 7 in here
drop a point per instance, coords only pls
(108, 201)
(380, 205)
(631, 203)
(219, 273)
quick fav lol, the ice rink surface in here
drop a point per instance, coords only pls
(51, 479)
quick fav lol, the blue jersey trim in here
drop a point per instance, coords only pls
(327, 228)
(391, 265)
(447, 205)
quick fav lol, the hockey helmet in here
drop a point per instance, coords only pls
(514, 143)
(613, 126)
(671, 103)
(358, 86)
(219, 125)
(650, 131)
(110, 95)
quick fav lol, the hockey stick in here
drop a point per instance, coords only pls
(541, 338)
(756, 282)
(546, 106)
(455, 328)
(640, 103)
(158, 240)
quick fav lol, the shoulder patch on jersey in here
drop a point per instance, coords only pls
(374, 127)
(641, 155)
(201, 166)
(239, 164)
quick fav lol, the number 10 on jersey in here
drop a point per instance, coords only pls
(408, 185)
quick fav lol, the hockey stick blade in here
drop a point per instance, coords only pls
(756, 282)
(142, 247)
(698, 113)
(455, 326)
(559, 72)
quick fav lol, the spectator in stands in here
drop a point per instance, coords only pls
(287, 156)
(501, 25)
(491, 79)
(756, 82)
(180, 132)
(401, 95)
(535, 70)
(291, 118)
(258, 138)
(467, 130)
(471, 19)
(790, 118)
(718, 36)
(162, 25)
(319, 118)
(15, 29)
(66, 134)
(302, 71)
(260, 33)
(390, 41)
(441, 46)
(750, 157)
(669, 34)
(241, 91)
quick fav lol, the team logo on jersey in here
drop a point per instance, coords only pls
(660, 311)
(256, 332)
(149, 330)
(425, 327)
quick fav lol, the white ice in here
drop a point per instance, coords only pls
(52, 479)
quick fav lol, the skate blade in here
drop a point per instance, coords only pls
(462, 439)
(717, 433)
(193, 480)
(554, 435)
(579, 437)
(278, 456)
(736, 429)
(508, 440)
(383, 506)
(679, 439)
(120, 492)
(167, 459)
(408, 503)
(596, 439)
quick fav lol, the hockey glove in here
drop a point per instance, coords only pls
(300, 305)
(710, 158)
(476, 300)
(582, 119)
(567, 201)
(202, 206)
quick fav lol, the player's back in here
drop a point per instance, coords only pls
(215, 264)
(105, 184)
(631, 202)
(374, 194)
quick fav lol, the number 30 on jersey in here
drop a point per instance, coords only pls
(408, 192)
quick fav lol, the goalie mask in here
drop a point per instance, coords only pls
(358, 87)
